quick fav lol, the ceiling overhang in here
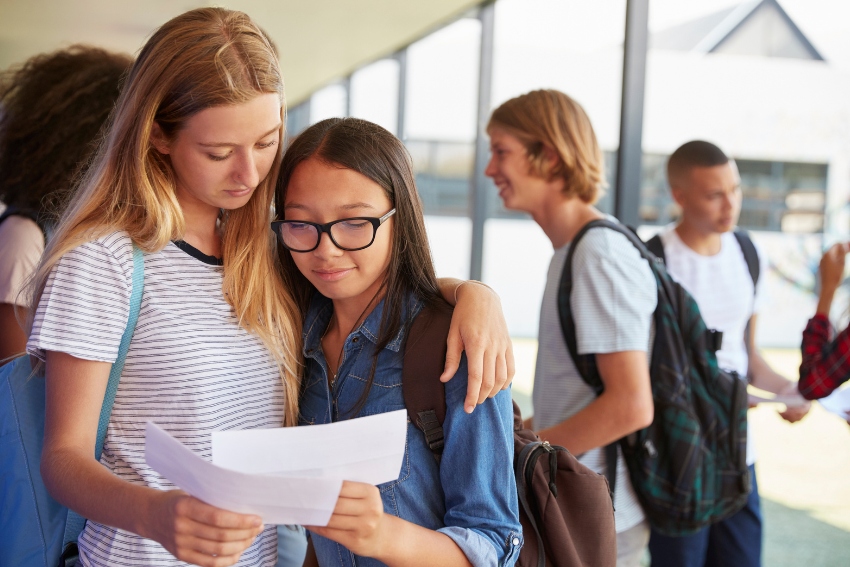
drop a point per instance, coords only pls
(319, 40)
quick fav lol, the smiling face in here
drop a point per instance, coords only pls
(509, 168)
(223, 152)
(710, 197)
(320, 192)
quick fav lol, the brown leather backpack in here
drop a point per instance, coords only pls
(565, 508)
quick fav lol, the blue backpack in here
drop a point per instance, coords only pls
(35, 530)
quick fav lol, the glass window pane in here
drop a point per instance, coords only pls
(572, 46)
(440, 124)
(374, 94)
(329, 102)
(442, 83)
(441, 115)
(576, 47)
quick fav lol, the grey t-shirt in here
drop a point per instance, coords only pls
(613, 298)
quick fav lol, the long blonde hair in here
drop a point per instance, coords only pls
(204, 58)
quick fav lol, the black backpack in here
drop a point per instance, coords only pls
(751, 257)
(566, 511)
(688, 467)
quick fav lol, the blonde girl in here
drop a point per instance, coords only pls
(185, 174)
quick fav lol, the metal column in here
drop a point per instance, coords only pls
(346, 85)
(297, 119)
(480, 185)
(627, 185)
(401, 57)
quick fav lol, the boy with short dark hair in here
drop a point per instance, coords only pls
(710, 261)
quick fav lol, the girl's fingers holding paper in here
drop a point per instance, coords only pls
(203, 513)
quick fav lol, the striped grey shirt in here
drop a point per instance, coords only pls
(612, 301)
(190, 368)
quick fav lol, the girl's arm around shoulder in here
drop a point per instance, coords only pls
(189, 529)
(478, 329)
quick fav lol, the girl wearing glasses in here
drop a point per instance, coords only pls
(355, 253)
(184, 174)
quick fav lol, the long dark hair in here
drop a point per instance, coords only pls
(374, 152)
(52, 110)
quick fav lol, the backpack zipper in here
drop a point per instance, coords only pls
(545, 447)
(733, 437)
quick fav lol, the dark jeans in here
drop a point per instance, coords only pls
(733, 542)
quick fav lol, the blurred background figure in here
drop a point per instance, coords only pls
(52, 108)
(826, 358)
(722, 269)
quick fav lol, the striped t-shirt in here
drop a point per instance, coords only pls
(613, 298)
(190, 368)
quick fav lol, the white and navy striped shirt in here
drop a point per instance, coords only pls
(612, 301)
(190, 368)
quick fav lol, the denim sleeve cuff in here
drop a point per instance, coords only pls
(480, 551)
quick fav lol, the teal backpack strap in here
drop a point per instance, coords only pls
(118, 365)
(75, 523)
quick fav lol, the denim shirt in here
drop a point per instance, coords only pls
(470, 496)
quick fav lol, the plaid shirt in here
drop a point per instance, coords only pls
(826, 362)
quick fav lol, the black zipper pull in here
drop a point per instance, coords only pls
(553, 468)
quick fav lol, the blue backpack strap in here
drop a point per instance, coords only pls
(75, 522)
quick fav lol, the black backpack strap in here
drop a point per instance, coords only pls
(19, 212)
(655, 246)
(424, 361)
(586, 364)
(524, 473)
(751, 255)
(13, 211)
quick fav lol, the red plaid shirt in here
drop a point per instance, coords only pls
(826, 362)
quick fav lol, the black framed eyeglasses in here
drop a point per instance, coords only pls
(351, 234)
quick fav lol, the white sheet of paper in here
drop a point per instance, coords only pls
(367, 449)
(278, 500)
(789, 401)
(838, 402)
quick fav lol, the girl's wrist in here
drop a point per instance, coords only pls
(385, 545)
(151, 512)
(476, 282)
(825, 302)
